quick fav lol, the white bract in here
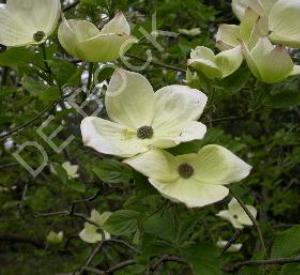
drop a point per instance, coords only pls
(236, 215)
(142, 119)
(232, 248)
(72, 170)
(193, 179)
(216, 66)
(270, 63)
(92, 232)
(281, 18)
(28, 22)
(84, 40)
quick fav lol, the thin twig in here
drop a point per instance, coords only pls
(252, 218)
(166, 258)
(156, 63)
(236, 235)
(279, 261)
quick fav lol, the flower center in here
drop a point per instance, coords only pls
(185, 170)
(235, 217)
(145, 132)
(39, 36)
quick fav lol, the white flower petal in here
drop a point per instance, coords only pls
(110, 138)
(118, 25)
(233, 248)
(229, 61)
(130, 99)
(105, 47)
(72, 32)
(192, 130)
(20, 20)
(175, 106)
(89, 234)
(215, 164)
(190, 192)
(156, 164)
(227, 215)
(228, 36)
(273, 63)
(236, 210)
(284, 23)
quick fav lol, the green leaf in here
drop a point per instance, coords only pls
(112, 171)
(16, 56)
(284, 99)
(65, 72)
(287, 243)
(203, 259)
(77, 186)
(122, 222)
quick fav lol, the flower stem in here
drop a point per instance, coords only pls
(254, 221)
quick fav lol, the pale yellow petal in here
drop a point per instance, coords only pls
(118, 25)
(159, 165)
(110, 138)
(190, 192)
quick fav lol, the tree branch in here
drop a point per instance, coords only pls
(279, 261)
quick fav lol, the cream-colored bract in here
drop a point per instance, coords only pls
(232, 248)
(270, 63)
(71, 170)
(213, 167)
(170, 115)
(28, 22)
(216, 66)
(281, 18)
(236, 215)
(90, 232)
(84, 40)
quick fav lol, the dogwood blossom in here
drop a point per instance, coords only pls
(84, 40)
(90, 232)
(142, 119)
(193, 179)
(71, 169)
(28, 22)
(216, 66)
(55, 238)
(232, 248)
(280, 17)
(270, 63)
(237, 215)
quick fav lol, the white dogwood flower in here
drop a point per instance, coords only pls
(55, 238)
(142, 119)
(270, 63)
(71, 170)
(216, 66)
(281, 18)
(91, 232)
(236, 215)
(193, 179)
(84, 40)
(28, 22)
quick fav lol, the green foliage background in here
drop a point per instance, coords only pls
(258, 122)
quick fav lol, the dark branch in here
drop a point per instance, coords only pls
(280, 261)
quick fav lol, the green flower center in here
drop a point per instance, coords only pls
(185, 170)
(39, 36)
(235, 217)
(145, 132)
